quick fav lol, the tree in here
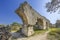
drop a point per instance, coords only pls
(15, 23)
(53, 6)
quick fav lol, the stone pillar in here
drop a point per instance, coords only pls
(44, 24)
(24, 30)
(27, 30)
(47, 26)
(30, 30)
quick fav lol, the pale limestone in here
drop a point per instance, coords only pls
(30, 17)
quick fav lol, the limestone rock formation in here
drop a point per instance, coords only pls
(30, 18)
(4, 34)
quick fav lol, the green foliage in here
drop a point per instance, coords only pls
(15, 23)
(15, 26)
(53, 5)
(39, 31)
(1, 25)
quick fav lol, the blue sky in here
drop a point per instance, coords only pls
(8, 7)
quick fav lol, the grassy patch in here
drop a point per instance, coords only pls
(54, 34)
(54, 31)
(39, 31)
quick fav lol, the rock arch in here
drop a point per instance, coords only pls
(29, 17)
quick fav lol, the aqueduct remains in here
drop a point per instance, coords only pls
(30, 18)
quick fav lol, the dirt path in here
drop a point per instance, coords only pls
(37, 37)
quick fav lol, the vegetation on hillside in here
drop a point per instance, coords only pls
(15, 26)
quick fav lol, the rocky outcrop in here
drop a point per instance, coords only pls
(4, 34)
(31, 17)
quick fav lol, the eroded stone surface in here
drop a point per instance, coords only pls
(4, 34)
(31, 17)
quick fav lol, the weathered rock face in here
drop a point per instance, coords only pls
(4, 34)
(31, 17)
(27, 30)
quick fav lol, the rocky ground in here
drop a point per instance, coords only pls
(36, 37)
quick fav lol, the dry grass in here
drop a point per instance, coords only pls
(54, 34)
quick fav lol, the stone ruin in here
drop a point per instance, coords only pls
(30, 18)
